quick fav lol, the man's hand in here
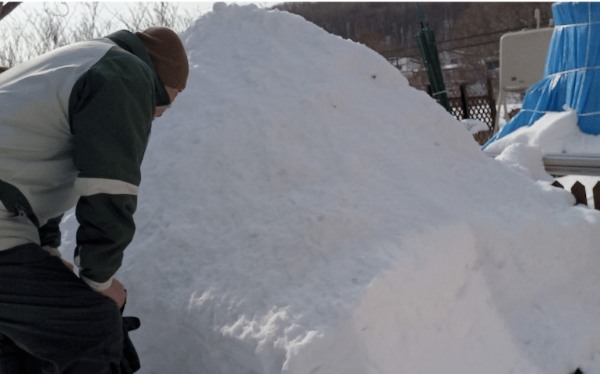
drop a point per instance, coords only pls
(69, 265)
(55, 252)
(117, 292)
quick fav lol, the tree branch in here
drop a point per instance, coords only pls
(6, 8)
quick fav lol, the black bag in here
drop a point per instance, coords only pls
(14, 360)
(131, 361)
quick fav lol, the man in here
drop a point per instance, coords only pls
(74, 126)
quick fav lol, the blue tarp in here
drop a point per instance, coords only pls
(572, 72)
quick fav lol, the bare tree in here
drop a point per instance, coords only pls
(144, 15)
(135, 17)
(6, 8)
(55, 24)
(89, 28)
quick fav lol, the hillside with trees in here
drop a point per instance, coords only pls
(467, 33)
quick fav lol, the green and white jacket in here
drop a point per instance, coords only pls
(74, 125)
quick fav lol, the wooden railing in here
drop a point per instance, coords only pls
(578, 190)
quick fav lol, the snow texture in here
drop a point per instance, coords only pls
(303, 210)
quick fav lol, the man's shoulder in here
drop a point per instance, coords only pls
(118, 61)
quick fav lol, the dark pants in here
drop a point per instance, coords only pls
(54, 318)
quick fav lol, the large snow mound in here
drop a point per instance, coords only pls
(303, 210)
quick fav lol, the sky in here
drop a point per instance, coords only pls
(304, 210)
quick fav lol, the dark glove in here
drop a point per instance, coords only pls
(131, 361)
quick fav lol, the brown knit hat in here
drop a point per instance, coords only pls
(167, 54)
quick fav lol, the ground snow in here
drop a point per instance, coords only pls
(303, 210)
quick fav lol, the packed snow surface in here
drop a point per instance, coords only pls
(303, 210)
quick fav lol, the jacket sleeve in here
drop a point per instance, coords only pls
(110, 113)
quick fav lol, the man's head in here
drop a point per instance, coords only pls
(168, 57)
